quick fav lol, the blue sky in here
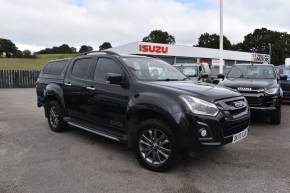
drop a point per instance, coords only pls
(199, 4)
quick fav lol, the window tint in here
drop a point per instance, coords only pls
(252, 72)
(104, 66)
(151, 69)
(55, 68)
(286, 71)
(81, 67)
(190, 71)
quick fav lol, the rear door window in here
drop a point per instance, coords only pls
(81, 68)
(54, 68)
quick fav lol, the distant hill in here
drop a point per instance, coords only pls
(30, 63)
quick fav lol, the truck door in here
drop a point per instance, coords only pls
(75, 92)
(107, 103)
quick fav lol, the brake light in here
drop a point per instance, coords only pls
(36, 83)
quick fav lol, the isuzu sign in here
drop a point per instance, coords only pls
(153, 49)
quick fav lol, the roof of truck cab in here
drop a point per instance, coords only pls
(134, 56)
(59, 60)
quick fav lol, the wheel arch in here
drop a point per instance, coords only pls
(53, 92)
(144, 112)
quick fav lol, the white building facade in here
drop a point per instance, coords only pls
(187, 54)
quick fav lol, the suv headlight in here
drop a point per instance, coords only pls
(200, 107)
(271, 91)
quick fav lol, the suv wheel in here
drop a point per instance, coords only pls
(276, 117)
(55, 117)
(155, 146)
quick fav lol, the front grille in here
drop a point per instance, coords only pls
(285, 86)
(237, 111)
(233, 109)
(255, 101)
(234, 128)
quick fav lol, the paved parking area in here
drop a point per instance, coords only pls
(34, 160)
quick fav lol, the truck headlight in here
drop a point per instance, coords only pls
(199, 106)
(271, 91)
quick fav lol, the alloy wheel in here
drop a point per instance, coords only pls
(154, 146)
(53, 117)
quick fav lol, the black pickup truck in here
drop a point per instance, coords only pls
(284, 73)
(141, 101)
(259, 84)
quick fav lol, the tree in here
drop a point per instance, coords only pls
(158, 36)
(207, 40)
(8, 47)
(85, 48)
(105, 45)
(260, 41)
(63, 49)
(238, 47)
(18, 54)
(27, 54)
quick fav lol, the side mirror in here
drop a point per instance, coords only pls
(216, 81)
(113, 78)
(204, 75)
(283, 77)
(221, 76)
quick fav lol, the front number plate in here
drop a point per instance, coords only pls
(239, 136)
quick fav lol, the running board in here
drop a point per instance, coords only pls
(102, 131)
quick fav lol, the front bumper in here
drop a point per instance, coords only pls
(259, 102)
(269, 105)
(220, 129)
(286, 95)
(264, 109)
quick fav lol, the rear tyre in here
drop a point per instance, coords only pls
(155, 146)
(276, 117)
(55, 114)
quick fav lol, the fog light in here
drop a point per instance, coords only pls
(203, 132)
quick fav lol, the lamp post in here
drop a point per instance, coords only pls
(221, 59)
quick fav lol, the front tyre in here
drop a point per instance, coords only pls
(155, 146)
(55, 116)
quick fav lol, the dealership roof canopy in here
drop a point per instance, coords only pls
(145, 48)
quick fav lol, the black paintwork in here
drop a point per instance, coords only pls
(285, 84)
(257, 98)
(120, 107)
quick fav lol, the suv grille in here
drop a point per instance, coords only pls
(237, 111)
(235, 128)
(285, 85)
(235, 106)
(255, 101)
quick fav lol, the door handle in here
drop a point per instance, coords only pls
(90, 88)
(67, 84)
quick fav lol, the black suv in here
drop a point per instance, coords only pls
(141, 101)
(258, 83)
(284, 73)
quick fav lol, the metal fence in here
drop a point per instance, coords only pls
(18, 78)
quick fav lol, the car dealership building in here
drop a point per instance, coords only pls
(188, 54)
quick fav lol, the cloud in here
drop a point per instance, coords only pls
(35, 24)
